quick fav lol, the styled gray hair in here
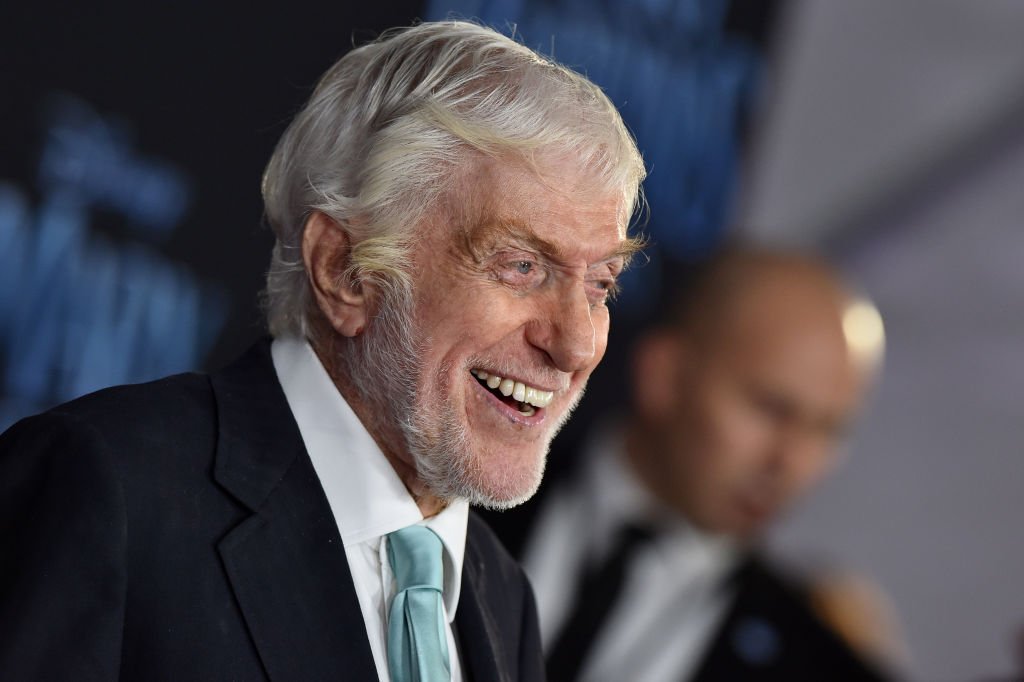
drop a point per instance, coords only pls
(378, 142)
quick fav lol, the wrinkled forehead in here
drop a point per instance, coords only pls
(491, 192)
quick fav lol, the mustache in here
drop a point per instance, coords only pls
(534, 372)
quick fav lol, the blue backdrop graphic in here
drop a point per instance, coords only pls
(133, 140)
(80, 310)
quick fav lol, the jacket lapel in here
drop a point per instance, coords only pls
(286, 562)
(477, 630)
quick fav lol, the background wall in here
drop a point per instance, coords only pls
(894, 141)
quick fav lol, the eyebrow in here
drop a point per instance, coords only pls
(519, 231)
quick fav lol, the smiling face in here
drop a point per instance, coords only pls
(509, 318)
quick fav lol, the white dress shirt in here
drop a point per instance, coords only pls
(366, 495)
(672, 598)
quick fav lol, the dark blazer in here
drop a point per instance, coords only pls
(177, 531)
(769, 633)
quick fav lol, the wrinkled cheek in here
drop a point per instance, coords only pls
(600, 341)
(436, 403)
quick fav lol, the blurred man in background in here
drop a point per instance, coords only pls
(644, 564)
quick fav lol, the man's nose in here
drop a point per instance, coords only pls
(564, 329)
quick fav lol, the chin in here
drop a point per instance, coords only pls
(452, 466)
(495, 476)
(506, 487)
(495, 480)
(744, 530)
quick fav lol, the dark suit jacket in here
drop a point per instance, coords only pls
(769, 633)
(177, 531)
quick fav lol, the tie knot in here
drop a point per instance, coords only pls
(415, 556)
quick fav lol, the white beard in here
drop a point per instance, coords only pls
(385, 369)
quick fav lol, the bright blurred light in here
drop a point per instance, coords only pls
(865, 332)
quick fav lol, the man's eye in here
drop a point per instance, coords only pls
(602, 290)
(520, 272)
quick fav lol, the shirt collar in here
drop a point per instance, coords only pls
(366, 496)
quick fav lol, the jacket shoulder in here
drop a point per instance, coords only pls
(165, 402)
(144, 430)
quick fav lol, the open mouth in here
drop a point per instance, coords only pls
(526, 399)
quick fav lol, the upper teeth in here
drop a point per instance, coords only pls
(516, 389)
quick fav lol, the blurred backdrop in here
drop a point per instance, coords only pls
(888, 136)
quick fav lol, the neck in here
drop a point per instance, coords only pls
(384, 434)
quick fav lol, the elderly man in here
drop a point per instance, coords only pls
(450, 211)
(738, 404)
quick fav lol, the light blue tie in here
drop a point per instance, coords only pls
(417, 641)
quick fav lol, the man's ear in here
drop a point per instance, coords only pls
(658, 361)
(326, 249)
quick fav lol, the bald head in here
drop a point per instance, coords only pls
(740, 403)
(741, 289)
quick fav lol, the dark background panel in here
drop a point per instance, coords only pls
(132, 143)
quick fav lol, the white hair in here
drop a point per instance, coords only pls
(388, 125)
